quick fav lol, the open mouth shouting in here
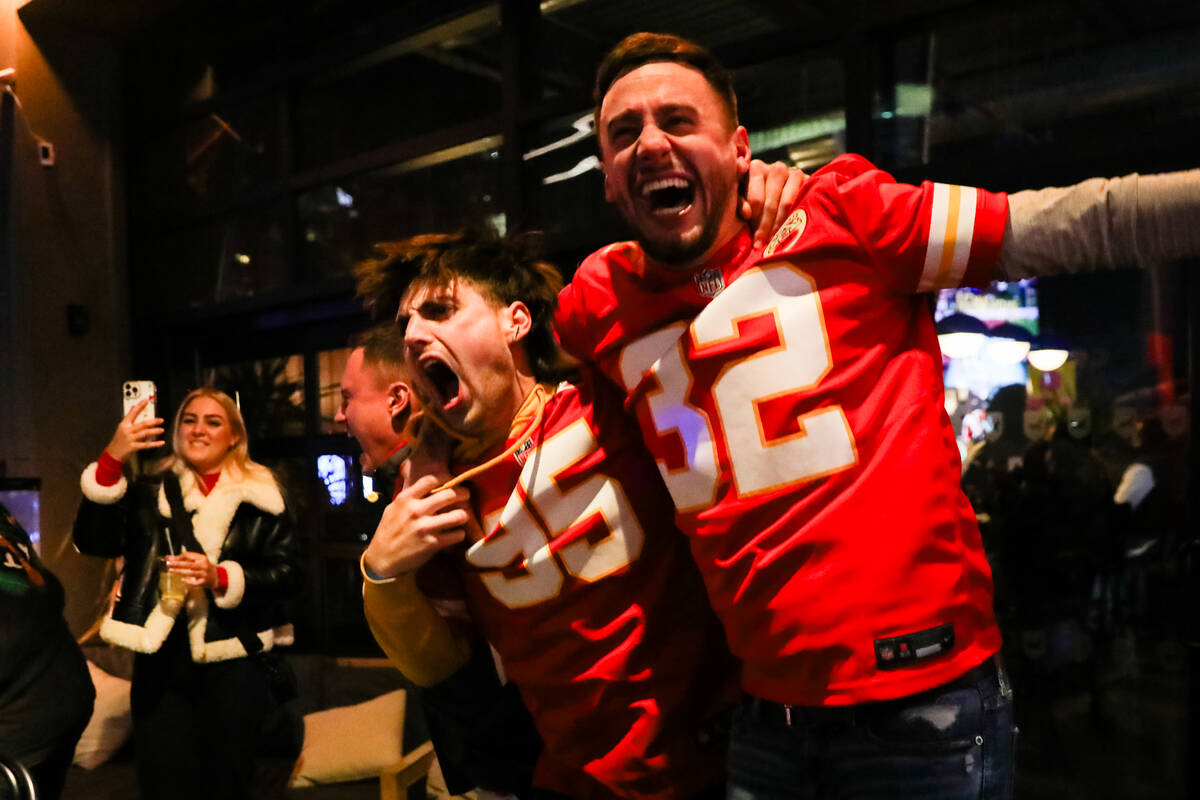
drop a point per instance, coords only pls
(441, 382)
(668, 197)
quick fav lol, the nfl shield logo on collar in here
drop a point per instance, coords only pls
(709, 282)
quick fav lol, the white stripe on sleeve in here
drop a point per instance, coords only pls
(936, 237)
(951, 228)
(962, 238)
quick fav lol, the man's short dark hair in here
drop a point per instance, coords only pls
(505, 269)
(639, 49)
(383, 350)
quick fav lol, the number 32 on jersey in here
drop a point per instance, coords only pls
(764, 454)
(526, 562)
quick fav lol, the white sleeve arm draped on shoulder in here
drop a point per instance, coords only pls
(1102, 223)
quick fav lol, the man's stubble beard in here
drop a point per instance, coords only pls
(679, 254)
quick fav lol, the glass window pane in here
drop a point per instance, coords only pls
(331, 363)
(431, 86)
(577, 34)
(353, 501)
(208, 161)
(354, 521)
(1015, 84)
(300, 486)
(334, 471)
(318, 23)
(440, 192)
(239, 255)
(270, 393)
(22, 497)
(357, 499)
(794, 110)
(187, 57)
(567, 187)
(301, 489)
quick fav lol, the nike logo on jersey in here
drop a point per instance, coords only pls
(521, 452)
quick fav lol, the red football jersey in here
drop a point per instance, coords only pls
(793, 399)
(585, 588)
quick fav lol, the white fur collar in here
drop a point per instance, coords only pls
(213, 513)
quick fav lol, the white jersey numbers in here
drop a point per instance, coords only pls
(768, 449)
(519, 553)
(692, 480)
(526, 566)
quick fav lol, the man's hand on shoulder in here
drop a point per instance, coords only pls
(771, 189)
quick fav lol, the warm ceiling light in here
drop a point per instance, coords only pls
(960, 335)
(1048, 353)
(1047, 360)
(1009, 343)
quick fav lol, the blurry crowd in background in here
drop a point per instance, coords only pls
(1083, 514)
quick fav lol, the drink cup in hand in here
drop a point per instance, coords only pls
(171, 587)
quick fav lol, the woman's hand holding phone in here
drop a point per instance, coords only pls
(130, 436)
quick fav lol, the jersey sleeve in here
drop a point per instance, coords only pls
(922, 238)
(570, 322)
(590, 316)
(409, 630)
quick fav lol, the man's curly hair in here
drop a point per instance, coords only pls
(505, 269)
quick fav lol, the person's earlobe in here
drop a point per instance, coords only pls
(610, 194)
(519, 322)
(741, 146)
(399, 398)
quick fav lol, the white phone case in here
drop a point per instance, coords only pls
(133, 391)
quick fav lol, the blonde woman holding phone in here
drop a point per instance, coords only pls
(209, 559)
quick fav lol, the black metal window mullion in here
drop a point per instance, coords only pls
(521, 22)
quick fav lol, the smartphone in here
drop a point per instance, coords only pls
(133, 391)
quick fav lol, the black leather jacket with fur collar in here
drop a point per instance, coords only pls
(242, 525)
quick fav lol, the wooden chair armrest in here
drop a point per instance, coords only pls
(363, 662)
(395, 780)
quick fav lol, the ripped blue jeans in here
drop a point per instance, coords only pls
(951, 743)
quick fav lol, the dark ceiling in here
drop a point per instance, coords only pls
(1031, 69)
